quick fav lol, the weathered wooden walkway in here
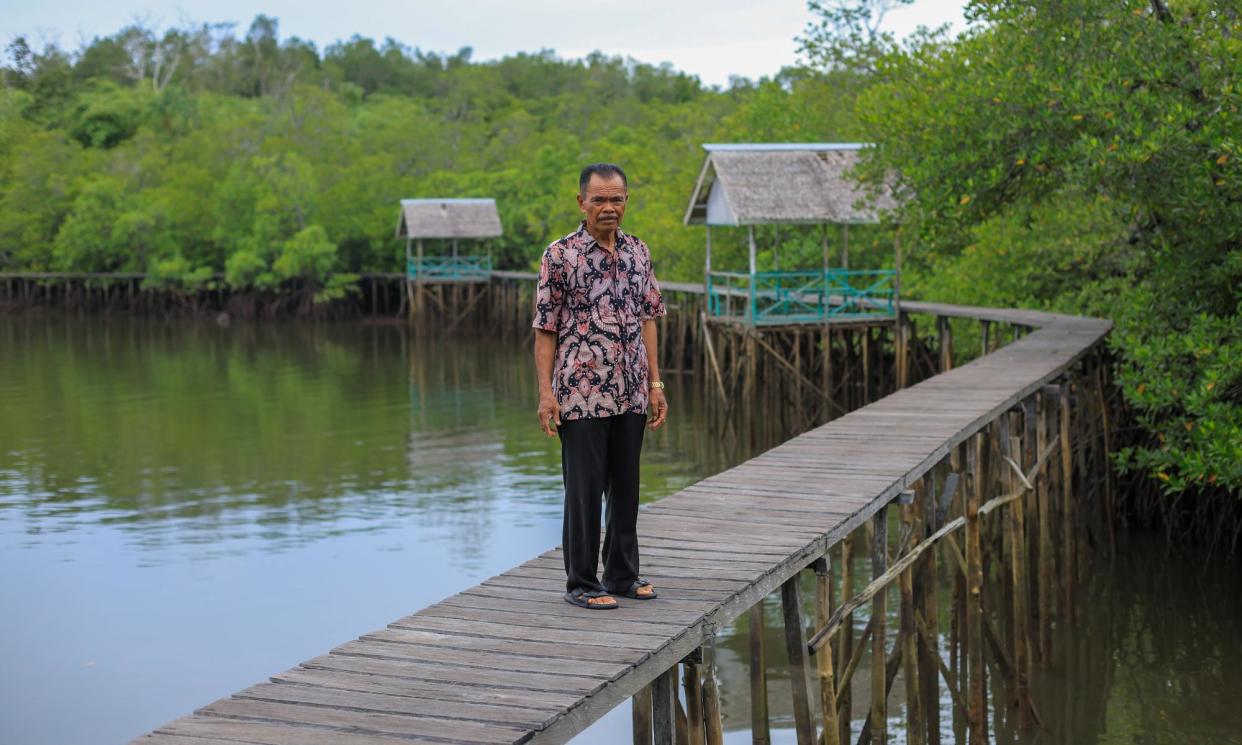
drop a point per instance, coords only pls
(508, 661)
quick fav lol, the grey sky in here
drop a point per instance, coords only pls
(710, 39)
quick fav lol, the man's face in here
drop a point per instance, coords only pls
(603, 204)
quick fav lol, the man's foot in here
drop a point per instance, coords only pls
(639, 589)
(594, 600)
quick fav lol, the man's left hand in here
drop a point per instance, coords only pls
(658, 407)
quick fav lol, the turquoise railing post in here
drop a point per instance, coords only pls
(751, 314)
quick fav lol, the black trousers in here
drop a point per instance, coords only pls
(599, 457)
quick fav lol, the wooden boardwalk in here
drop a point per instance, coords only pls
(508, 661)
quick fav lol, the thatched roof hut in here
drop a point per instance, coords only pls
(448, 218)
(782, 183)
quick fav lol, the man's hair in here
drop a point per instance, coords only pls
(605, 171)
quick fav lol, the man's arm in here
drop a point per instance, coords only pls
(659, 405)
(545, 352)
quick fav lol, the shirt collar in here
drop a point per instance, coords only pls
(590, 239)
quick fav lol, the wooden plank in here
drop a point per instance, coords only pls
(475, 711)
(356, 722)
(488, 644)
(532, 633)
(434, 692)
(583, 666)
(264, 733)
(522, 681)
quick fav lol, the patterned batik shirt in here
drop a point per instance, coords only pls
(596, 304)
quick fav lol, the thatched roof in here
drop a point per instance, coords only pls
(791, 183)
(448, 218)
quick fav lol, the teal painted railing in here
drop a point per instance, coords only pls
(450, 268)
(802, 296)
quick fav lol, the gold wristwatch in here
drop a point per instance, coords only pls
(657, 385)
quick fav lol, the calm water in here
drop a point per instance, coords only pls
(185, 510)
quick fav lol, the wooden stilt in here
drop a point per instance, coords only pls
(799, 665)
(845, 641)
(760, 734)
(664, 707)
(823, 658)
(909, 634)
(1044, 519)
(1017, 562)
(1068, 526)
(713, 721)
(693, 684)
(974, 599)
(641, 716)
(879, 610)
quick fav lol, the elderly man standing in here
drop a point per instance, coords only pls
(595, 352)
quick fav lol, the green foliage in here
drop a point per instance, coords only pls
(195, 150)
(1084, 157)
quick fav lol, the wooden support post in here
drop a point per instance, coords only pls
(1068, 526)
(879, 610)
(760, 734)
(641, 716)
(902, 351)
(1017, 560)
(985, 328)
(909, 633)
(826, 372)
(866, 364)
(692, 681)
(976, 714)
(664, 707)
(1044, 516)
(945, 330)
(845, 639)
(799, 665)
(713, 723)
(926, 602)
(823, 658)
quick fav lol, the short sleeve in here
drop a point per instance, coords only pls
(550, 292)
(653, 302)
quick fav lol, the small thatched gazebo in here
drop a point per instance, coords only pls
(789, 184)
(450, 220)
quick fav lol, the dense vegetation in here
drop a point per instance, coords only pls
(1070, 155)
(1084, 157)
(196, 152)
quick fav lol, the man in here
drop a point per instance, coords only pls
(595, 352)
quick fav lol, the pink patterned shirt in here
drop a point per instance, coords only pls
(596, 305)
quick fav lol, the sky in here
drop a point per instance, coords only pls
(713, 39)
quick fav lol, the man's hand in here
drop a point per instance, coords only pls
(549, 414)
(658, 406)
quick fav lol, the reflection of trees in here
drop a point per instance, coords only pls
(196, 426)
(1154, 656)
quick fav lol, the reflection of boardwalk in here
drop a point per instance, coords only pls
(509, 661)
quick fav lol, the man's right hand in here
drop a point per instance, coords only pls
(549, 414)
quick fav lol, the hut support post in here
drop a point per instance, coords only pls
(750, 239)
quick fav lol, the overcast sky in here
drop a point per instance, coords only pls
(713, 39)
